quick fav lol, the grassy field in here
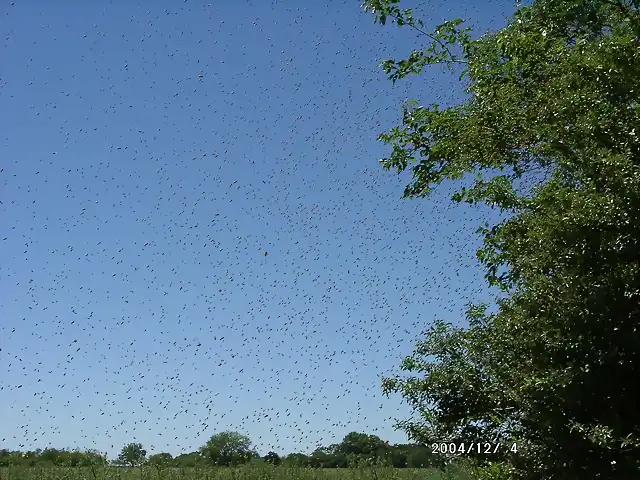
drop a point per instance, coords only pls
(240, 473)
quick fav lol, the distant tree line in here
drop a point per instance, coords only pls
(52, 457)
(233, 449)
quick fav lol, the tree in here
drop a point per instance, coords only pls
(321, 457)
(419, 456)
(53, 457)
(273, 458)
(160, 460)
(228, 448)
(189, 460)
(356, 443)
(296, 460)
(95, 458)
(397, 456)
(551, 130)
(132, 455)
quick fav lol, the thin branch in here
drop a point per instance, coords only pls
(432, 37)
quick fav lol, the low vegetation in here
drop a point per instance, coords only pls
(249, 472)
(231, 449)
(230, 455)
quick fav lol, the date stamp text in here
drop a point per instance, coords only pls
(478, 448)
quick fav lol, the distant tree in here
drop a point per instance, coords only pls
(421, 456)
(323, 457)
(5, 457)
(30, 457)
(94, 457)
(356, 443)
(272, 458)
(397, 456)
(189, 460)
(132, 455)
(52, 457)
(12, 458)
(75, 459)
(227, 449)
(160, 459)
(296, 460)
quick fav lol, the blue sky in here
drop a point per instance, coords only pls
(151, 153)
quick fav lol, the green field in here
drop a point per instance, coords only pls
(222, 473)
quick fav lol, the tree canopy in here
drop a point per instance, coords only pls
(550, 128)
(228, 448)
(132, 455)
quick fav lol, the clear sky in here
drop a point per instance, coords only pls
(196, 234)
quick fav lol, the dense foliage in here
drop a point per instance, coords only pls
(551, 129)
(132, 455)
